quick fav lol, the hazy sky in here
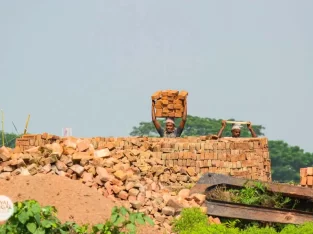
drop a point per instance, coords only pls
(93, 65)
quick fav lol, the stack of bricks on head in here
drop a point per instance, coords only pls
(169, 103)
(306, 177)
(151, 175)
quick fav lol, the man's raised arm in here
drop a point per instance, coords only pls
(154, 120)
(249, 125)
(219, 134)
(184, 119)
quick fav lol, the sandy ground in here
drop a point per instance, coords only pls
(73, 200)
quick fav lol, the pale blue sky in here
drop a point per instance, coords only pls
(93, 65)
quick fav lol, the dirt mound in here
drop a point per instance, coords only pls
(73, 200)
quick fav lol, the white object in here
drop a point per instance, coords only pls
(6, 208)
(66, 132)
(236, 126)
(237, 122)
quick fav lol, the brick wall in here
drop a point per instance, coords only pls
(244, 157)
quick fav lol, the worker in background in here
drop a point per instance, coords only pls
(236, 130)
(170, 128)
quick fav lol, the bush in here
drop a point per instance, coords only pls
(194, 221)
(190, 219)
(306, 228)
(30, 218)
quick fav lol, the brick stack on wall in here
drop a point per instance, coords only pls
(243, 157)
(306, 177)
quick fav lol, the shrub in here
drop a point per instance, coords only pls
(306, 228)
(194, 221)
(30, 218)
(191, 219)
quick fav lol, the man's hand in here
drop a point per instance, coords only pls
(249, 125)
(224, 123)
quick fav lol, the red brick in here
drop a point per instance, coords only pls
(310, 180)
(102, 153)
(221, 156)
(82, 146)
(204, 170)
(242, 157)
(208, 146)
(123, 195)
(22, 142)
(103, 174)
(191, 171)
(303, 172)
(303, 181)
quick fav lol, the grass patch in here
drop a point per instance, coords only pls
(256, 194)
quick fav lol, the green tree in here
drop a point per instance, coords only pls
(9, 139)
(286, 160)
(195, 126)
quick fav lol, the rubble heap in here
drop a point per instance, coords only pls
(151, 175)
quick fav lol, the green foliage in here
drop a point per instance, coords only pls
(250, 195)
(195, 126)
(121, 217)
(194, 221)
(30, 218)
(306, 228)
(190, 218)
(71, 227)
(257, 194)
(9, 139)
(287, 160)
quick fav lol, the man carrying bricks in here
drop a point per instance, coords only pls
(170, 128)
(236, 130)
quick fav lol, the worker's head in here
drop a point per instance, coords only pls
(170, 124)
(235, 130)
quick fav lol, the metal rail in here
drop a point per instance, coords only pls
(211, 180)
(249, 212)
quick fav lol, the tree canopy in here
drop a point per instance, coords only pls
(9, 139)
(286, 160)
(195, 126)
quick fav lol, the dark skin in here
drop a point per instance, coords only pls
(169, 126)
(235, 132)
